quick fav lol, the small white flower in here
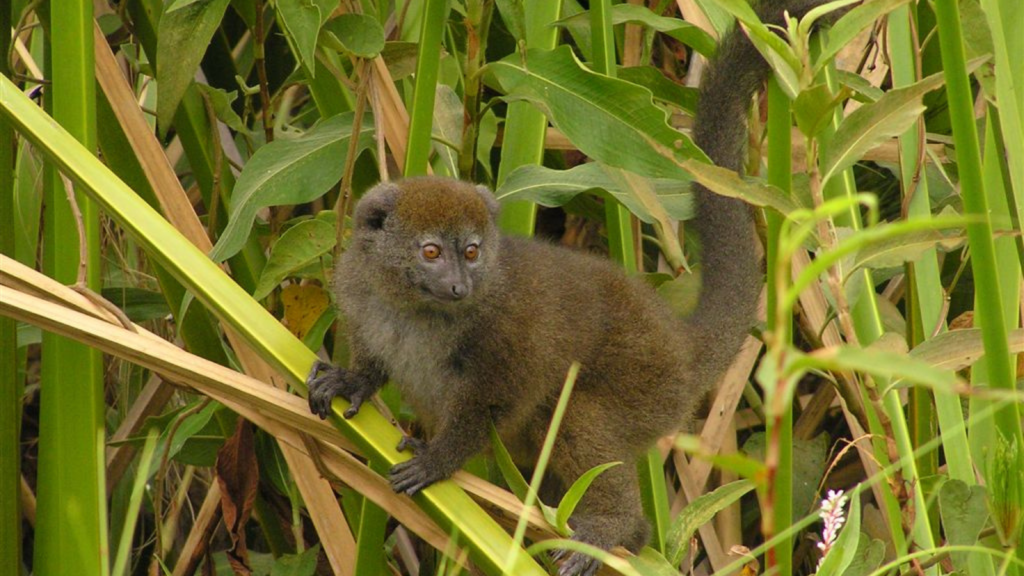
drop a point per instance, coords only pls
(833, 515)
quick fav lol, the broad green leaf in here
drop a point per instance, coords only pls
(550, 187)
(400, 58)
(683, 31)
(301, 21)
(602, 116)
(906, 247)
(958, 349)
(661, 87)
(728, 183)
(964, 512)
(575, 493)
(447, 127)
(183, 37)
(287, 172)
(359, 34)
(851, 24)
(299, 246)
(698, 513)
(813, 109)
(872, 124)
(844, 549)
(810, 459)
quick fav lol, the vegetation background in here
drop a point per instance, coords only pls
(148, 422)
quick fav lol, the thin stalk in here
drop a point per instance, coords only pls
(525, 126)
(421, 116)
(11, 389)
(780, 418)
(259, 55)
(1008, 503)
(478, 25)
(71, 528)
(617, 219)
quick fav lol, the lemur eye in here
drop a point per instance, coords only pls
(431, 251)
(472, 252)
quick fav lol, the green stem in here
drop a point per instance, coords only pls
(779, 425)
(421, 116)
(1008, 502)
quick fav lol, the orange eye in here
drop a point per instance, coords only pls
(431, 251)
(472, 252)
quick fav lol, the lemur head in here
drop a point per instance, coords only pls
(434, 241)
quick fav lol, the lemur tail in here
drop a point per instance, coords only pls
(731, 276)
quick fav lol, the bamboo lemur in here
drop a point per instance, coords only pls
(474, 326)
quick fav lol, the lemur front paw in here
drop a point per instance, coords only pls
(417, 473)
(326, 381)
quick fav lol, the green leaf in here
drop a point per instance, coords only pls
(183, 36)
(301, 21)
(650, 563)
(870, 553)
(844, 549)
(303, 564)
(872, 124)
(888, 365)
(728, 183)
(698, 513)
(958, 349)
(850, 25)
(513, 13)
(813, 109)
(661, 87)
(221, 101)
(692, 36)
(138, 304)
(602, 116)
(906, 247)
(964, 512)
(575, 493)
(287, 172)
(776, 51)
(810, 459)
(359, 34)
(509, 471)
(178, 4)
(550, 187)
(298, 247)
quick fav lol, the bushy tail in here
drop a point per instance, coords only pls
(731, 277)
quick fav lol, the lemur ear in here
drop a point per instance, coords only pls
(492, 203)
(375, 206)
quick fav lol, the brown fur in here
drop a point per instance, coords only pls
(470, 342)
